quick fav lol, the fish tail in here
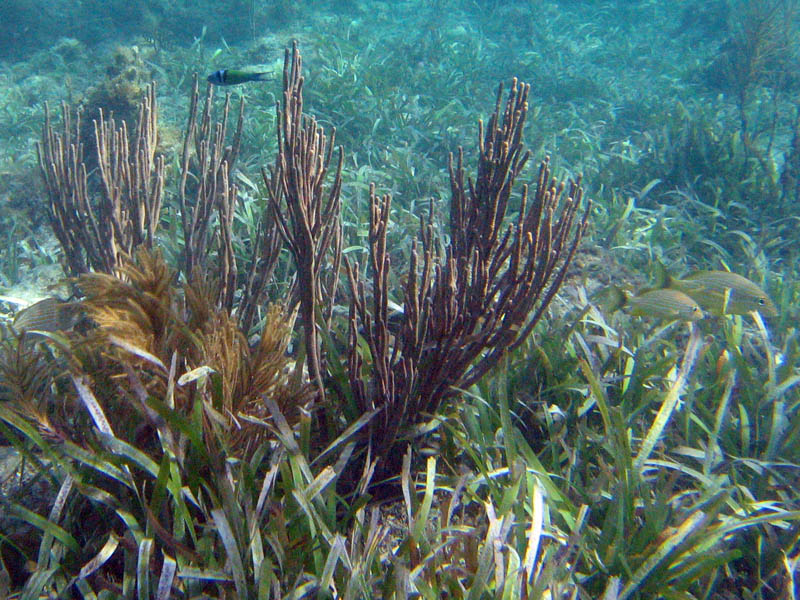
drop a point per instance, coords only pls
(612, 298)
(617, 298)
(662, 277)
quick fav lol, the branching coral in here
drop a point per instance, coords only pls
(479, 298)
(308, 218)
(96, 232)
(468, 299)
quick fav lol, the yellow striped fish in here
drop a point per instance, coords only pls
(50, 314)
(720, 292)
(664, 304)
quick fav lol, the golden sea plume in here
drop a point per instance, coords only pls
(164, 335)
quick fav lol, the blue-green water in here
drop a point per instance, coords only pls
(694, 102)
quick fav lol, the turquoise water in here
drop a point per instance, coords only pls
(692, 102)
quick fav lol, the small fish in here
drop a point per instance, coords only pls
(720, 292)
(665, 304)
(50, 314)
(236, 76)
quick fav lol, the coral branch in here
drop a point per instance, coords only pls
(307, 218)
(96, 233)
(465, 307)
(210, 166)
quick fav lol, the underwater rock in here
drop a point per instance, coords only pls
(120, 93)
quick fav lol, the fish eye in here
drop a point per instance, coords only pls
(761, 301)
